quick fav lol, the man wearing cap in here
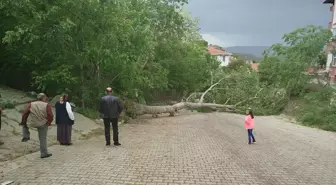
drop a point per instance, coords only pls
(39, 115)
(110, 109)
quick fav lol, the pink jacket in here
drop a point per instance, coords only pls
(249, 122)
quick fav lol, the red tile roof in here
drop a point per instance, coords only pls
(213, 50)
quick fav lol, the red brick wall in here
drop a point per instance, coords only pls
(255, 66)
(310, 70)
(332, 74)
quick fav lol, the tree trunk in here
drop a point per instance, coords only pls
(98, 74)
(98, 78)
(138, 109)
(82, 85)
(135, 109)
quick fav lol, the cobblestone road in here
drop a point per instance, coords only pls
(190, 149)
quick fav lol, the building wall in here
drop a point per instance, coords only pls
(329, 55)
(333, 19)
(224, 60)
(227, 60)
(329, 61)
(220, 59)
(329, 66)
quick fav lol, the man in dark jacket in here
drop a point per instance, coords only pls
(110, 109)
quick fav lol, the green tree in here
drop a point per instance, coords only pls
(80, 47)
(285, 64)
(237, 63)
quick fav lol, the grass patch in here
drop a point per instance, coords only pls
(318, 109)
(92, 133)
(7, 104)
(293, 106)
(205, 110)
(90, 113)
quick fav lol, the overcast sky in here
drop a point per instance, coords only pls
(255, 22)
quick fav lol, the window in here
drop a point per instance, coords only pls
(333, 63)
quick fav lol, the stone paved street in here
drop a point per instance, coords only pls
(189, 149)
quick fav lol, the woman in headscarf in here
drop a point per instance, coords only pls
(64, 120)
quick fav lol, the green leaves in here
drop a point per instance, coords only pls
(281, 74)
(84, 46)
(285, 64)
(318, 109)
(303, 45)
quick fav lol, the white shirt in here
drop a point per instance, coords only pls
(69, 110)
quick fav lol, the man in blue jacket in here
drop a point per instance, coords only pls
(110, 109)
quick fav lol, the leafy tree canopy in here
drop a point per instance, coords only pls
(140, 47)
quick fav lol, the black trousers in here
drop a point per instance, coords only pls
(107, 126)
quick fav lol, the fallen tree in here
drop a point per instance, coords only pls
(135, 109)
(139, 109)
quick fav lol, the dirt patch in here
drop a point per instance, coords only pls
(15, 96)
(11, 131)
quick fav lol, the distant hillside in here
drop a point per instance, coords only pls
(248, 56)
(249, 50)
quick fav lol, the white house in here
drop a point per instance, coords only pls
(331, 61)
(223, 56)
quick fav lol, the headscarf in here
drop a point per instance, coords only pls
(65, 97)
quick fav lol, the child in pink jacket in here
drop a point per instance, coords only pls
(249, 125)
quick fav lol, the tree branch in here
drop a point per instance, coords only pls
(117, 75)
(193, 94)
(212, 86)
(255, 97)
(227, 101)
(211, 78)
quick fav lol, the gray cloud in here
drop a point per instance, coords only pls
(256, 22)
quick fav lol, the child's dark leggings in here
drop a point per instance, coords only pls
(250, 136)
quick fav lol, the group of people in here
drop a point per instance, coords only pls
(39, 115)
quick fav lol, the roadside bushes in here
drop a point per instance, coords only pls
(319, 109)
(7, 104)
